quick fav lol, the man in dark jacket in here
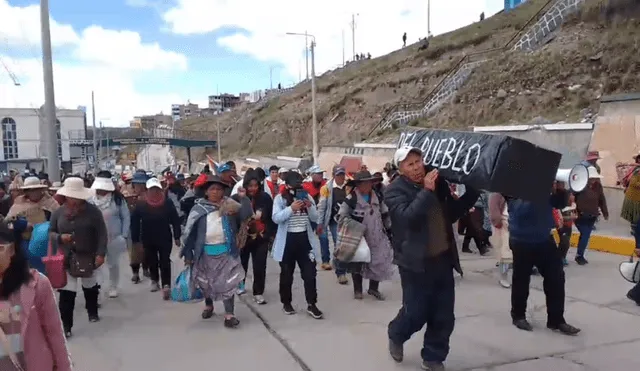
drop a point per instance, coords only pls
(530, 239)
(422, 211)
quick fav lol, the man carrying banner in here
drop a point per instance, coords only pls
(422, 211)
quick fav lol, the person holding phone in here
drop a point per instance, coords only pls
(294, 211)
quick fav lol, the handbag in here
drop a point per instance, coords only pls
(363, 252)
(136, 254)
(81, 265)
(184, 289)
(54, 267)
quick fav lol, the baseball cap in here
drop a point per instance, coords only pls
(282, 170)
(315, 169)
(402, 153)
(223, 168)
(153, 182)
(338, 170)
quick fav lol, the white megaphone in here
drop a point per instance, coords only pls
(575, 178)
(630, 270)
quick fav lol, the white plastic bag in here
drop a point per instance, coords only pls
(363, 253)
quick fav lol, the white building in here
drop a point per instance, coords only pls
(22, 132)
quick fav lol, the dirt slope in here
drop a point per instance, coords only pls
(592, 55)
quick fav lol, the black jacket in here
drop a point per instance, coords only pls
(153, 225)
(408, 204)
(263, 202)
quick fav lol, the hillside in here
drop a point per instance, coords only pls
(594, 53)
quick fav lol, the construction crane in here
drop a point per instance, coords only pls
(13, 77)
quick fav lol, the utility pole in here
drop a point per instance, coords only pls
(343, 47)
(353, 35)
(306, 52)
(218, 142)
(95, 135)
(314, 121)
(428, 18)
(53, 166)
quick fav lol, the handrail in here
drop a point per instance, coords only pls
(456, 67)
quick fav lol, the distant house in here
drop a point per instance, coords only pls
(510, 4)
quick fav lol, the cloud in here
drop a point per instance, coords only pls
(101, 60)
(264, 24)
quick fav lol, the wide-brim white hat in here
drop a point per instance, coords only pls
(630, 271)
(33, 182)
(55, 186)
(74, 188)
(103, 184)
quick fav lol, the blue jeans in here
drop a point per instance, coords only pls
(333, 228)
(585, 227)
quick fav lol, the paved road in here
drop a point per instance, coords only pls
(139, 331)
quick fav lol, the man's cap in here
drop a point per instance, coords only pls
(402, 153)
(282, 170)
(223, 168)
(315, 169)
(153, 183)
(339, 170)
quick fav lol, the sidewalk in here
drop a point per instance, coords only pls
(140, 331)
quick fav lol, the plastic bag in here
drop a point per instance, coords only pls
(39, 240)
(184, 289)
(363, 253)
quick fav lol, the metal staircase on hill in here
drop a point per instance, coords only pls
(403, 113)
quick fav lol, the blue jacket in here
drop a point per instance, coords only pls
(532, 222)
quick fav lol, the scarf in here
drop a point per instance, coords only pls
(155, 199)
(102, 202)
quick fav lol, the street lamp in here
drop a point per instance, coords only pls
(314, 123)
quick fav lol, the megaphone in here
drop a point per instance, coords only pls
(575, 178)
(630, 270)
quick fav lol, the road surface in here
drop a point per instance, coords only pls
(139, 331)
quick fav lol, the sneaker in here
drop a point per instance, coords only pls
(94, 318)
(343, 280)
(314, 312)
(581, 260)
(146, 273)
(504, 282)
(523, 324)
(241, 289)
(166, 292)
(288, 309)
(326, 266)
(135, 279)
(632, 298)
(259, 299)
(113, 293)
(207, 313)
(564, 328)
(232, 322)
(358, 296)
(396, 351)
(432, 366)
(376, 294)
(155, 287)
(68, 334)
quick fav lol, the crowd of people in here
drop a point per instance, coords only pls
(220, 220)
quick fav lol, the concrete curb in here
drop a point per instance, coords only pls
(609, 244)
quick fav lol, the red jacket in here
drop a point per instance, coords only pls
(312, 190)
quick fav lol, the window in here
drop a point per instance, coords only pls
(9, 138)
(59, 139)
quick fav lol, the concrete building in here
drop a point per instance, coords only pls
(184, 111)
(22, 132)
(154, 121)
(223, 102)
(135, 123)
(256, 96)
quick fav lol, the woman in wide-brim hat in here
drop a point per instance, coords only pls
(117, 219)
(630, 210)
(210, 246)
(36, 205)
(364, 206)
(80, 231)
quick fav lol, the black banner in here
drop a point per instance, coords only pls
(495, 163)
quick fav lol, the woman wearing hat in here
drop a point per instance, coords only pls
(210, 246)
(36, 206)
(296, 243)
(155, 224)
(631, 203)
(80, 231)
(363, 205)
(30, 323)
(590, 202)
(116, 217)
(133, 193)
